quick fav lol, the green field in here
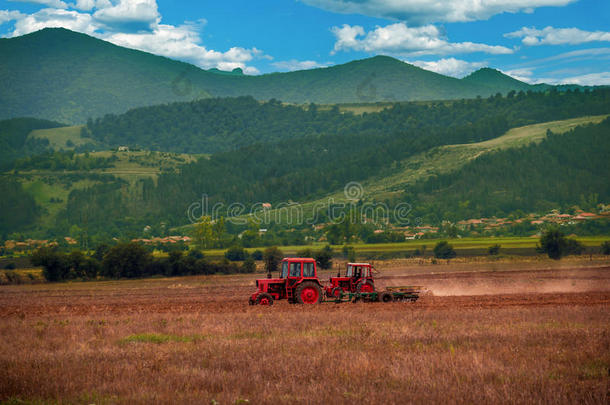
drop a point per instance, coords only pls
(474, 245)
(59, 138)
(51, 191)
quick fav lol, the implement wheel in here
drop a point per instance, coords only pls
(336, 292)
(264, 299)
(386, 297)
(308, 293)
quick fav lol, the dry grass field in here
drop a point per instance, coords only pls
(538, 333)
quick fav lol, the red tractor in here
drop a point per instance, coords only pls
(358, 278)
(298, 283)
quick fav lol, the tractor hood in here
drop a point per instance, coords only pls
(264, 281)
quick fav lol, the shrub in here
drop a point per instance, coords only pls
(324, 257)
(307, 252)
(55, 265)
(272, 257)
(257, 255)
(443, 250)
(606, 247)
(493, 250)
(126, 260)
(10, 266)
(574, 247)
(349, 253)
(236, 254)
(248, 266)
(554, 243)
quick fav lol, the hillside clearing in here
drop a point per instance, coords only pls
(63, 137)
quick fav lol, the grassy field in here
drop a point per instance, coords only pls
(194, 340)
(51, 192)
(60, 138)
(461, 246)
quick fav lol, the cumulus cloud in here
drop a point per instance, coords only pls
(134, 14)
(135, 24)
(182, 42)
(429, 11)
(48, 3)
(294, 64)
(557, 36)
(523, 74)
(6, 16)
(54, 18)
(450, 66)
(400, 39)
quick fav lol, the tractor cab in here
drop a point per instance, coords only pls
(358, 278)
(298, 282)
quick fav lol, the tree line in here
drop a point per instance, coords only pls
(129, 260)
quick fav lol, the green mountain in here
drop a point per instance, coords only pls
(497, 80)
(67, 76)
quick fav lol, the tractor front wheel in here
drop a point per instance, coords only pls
(336, 293)
(264, 299)
(308, 293)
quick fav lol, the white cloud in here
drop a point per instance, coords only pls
(48, 3)
(129, 12)
(114, 22)
(54, 18)
(450, 66)
(428, 11)
(523, 74)
(557, 36)
(400, 39)
(294, 64)
(88, 5)
(590, 79)
(182, 42)
(6, 16)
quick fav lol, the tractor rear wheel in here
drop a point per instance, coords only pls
(386, 297)
(308, 292)
(365, 286)
(264, 299)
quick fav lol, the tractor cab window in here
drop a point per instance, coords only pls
(357, 271)
(366, 271)
(308, 270)
(350, 271)
(284, 273)
(295, 269)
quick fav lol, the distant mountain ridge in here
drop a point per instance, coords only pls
(67, 76)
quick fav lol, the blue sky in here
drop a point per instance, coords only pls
(552, 41)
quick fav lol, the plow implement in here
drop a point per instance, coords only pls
(390, 294)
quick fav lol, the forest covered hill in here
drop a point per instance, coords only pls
(69, 77)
